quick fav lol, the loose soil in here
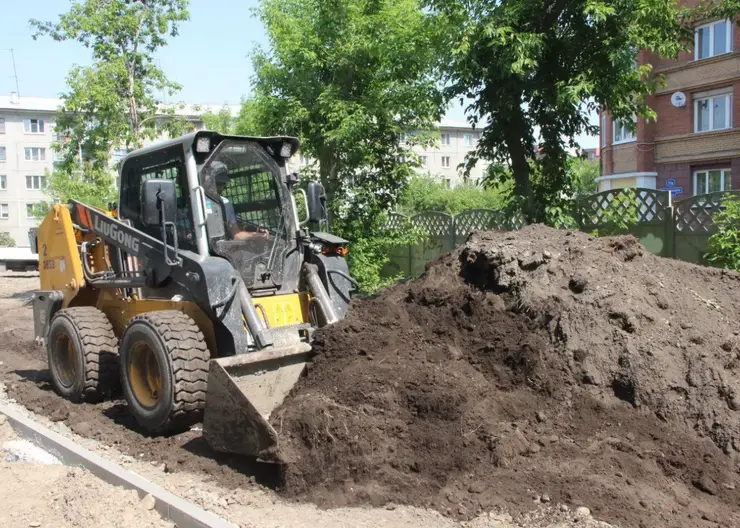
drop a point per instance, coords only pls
(232, 488)
(540, 361)
(522, 370)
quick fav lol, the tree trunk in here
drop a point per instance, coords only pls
(520, 153)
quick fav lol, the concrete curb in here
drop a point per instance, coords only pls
(183, 513)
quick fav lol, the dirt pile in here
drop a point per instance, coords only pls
(540, 363)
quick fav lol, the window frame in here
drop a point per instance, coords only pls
(3, 182)
(446, 166)
(6, 215)
(603, 130)
(2, 125)
(41, 181)
(468, 139)
(4, 150)
(698, 98)
(710, 25)
(32, 216)
(30, 149)
(443, 136)
(40, 126)
(620, 123)
(723, 176)
(423, 160)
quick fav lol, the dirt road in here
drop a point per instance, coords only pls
(39, 494)
(237, 491)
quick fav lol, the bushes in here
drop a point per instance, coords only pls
(425, 194)
(724, 245)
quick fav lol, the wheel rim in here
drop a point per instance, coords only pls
(65, 360)
(145, 375)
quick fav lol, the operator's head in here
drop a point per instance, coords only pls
(220, 174)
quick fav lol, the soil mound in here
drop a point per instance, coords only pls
(540, 363)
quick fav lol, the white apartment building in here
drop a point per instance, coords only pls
(443, 160)
(27, 133)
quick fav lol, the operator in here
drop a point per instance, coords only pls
(220, 173)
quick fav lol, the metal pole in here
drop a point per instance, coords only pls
(15, 73)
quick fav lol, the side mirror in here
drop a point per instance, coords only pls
(158, 196)
(316, 202)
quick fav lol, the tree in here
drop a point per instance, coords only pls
(535, 69)
(582, 175)
(425, 193)
(111, 104)
(350, 78)
(245, 123)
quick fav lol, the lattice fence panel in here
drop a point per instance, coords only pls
(695, 215)
(652, 206)
(396, 220)
(434, 224)
(479, 219)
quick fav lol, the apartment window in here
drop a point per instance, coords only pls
(33, 126)
(709, 181)
(30, 210)
(2, 153)
(603, 129)
(2, 125)
(445, 139)
(35, 182)
(404, 138)
(3, 182)
(35, 153)
(713, 112)
(445, 162)
(622, 132)
(4, 213)
(468, 140)
(713, 39)
(448, 183)
(423, 161)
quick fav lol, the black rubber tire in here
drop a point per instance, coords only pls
(95, 350)
(182, 359)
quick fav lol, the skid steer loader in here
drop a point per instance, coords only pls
(199, 293)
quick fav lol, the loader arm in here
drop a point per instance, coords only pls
(212, 281)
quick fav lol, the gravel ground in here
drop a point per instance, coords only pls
(22, 365)
(59, 496)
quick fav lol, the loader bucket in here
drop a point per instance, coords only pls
(243, 391)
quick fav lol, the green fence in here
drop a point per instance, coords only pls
(678, 230)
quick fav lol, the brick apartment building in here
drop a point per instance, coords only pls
(694, 146)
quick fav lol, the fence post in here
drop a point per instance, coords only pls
(670, 228)
(453, 227)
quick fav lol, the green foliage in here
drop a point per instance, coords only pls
(111, 104)
(6, 240)
(619, 216)
(582, 174)
(535, 71)
(369, 253)
(349, 77)
(724, 245)
(425, 193)
(222, 121)
(245, 123)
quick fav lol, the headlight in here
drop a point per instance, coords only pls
(286, 151)
(203, 144)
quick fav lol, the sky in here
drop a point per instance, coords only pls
(209, 58)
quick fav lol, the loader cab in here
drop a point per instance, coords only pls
(233, 201)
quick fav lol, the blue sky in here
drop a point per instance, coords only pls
(209, 58)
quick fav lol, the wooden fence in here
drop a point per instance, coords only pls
(678, 230)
